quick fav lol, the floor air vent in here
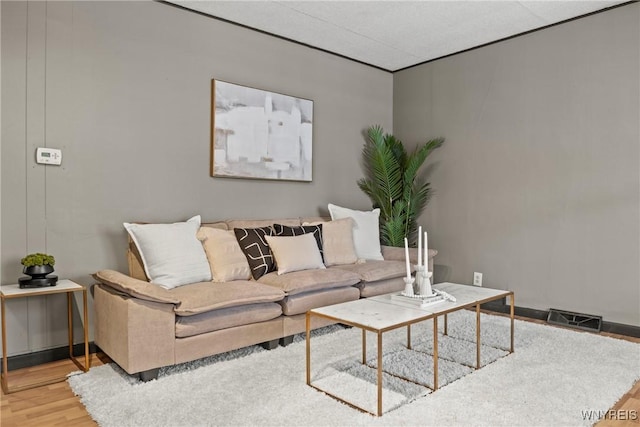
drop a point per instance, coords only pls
(586, 322)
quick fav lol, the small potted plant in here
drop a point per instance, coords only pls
(38, 265)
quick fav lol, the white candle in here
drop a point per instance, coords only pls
(419, 246)
(406, 256)
(426, 252)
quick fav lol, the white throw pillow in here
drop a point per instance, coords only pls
(171, 254)
(366, 230)
(295, 253)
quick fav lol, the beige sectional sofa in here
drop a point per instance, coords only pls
(143, 327)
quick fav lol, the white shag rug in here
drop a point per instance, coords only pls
(555, 377)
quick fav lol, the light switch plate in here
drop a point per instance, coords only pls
(48, 156)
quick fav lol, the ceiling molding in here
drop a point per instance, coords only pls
(237, 24)
(395, 35)
(521, 34)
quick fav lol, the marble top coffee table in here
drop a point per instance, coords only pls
(383, 313)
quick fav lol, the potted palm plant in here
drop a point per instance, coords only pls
(393, 183)
(38, 266)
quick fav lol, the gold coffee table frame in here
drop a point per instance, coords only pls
(63, 286)
(429, 313)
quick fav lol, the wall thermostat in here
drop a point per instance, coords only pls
(48, 156)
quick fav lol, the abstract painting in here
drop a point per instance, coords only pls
(260, 134)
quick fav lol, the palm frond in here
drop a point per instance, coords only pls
(369, 189)
(421, 193)
(384, 172)
(396, 146)
(417, 159)
(392, 232)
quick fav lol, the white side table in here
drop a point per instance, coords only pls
(63, 286)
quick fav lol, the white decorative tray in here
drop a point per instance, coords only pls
(418, 300)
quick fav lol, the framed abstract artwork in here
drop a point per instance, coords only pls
(260, 134)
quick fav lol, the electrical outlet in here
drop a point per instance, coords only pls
(477, 278)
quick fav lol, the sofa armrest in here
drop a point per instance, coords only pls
(134, 287)
(392, 253)
(138, 335)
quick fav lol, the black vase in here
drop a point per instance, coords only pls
(38, 277)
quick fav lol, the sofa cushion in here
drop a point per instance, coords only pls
(256, 249)
(226, 259)
(371, 271)
(310, 280)
(337, 241)
(301, 303)
(295, 253)
(366, 230)
(205, 296)
(315, 230)
(187, 326)
(371, 289)
(315, 219)
(135, 287)
(220, 225)
(171, 254)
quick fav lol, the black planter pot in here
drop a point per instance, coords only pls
(38, 277)
(38, 271)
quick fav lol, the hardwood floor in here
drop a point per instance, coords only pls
(626, 412)
(50, 405)
(56, 405)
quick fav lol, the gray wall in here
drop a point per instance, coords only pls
(538, 181)
(124, 90)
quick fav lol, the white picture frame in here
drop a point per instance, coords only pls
(258, 134)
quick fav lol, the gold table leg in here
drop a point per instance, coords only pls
(409, 337)
(85, 328)
(70, 323)
(446, 325)
(364, 347)
(379, 374)
(477, 336)
(308, 344)
(5, 372)
(87, 360)
(512, 315)
(435, 353)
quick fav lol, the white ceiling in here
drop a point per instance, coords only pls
(395, 34)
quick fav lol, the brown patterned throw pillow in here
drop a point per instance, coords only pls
(316, 230)
(256, 249)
